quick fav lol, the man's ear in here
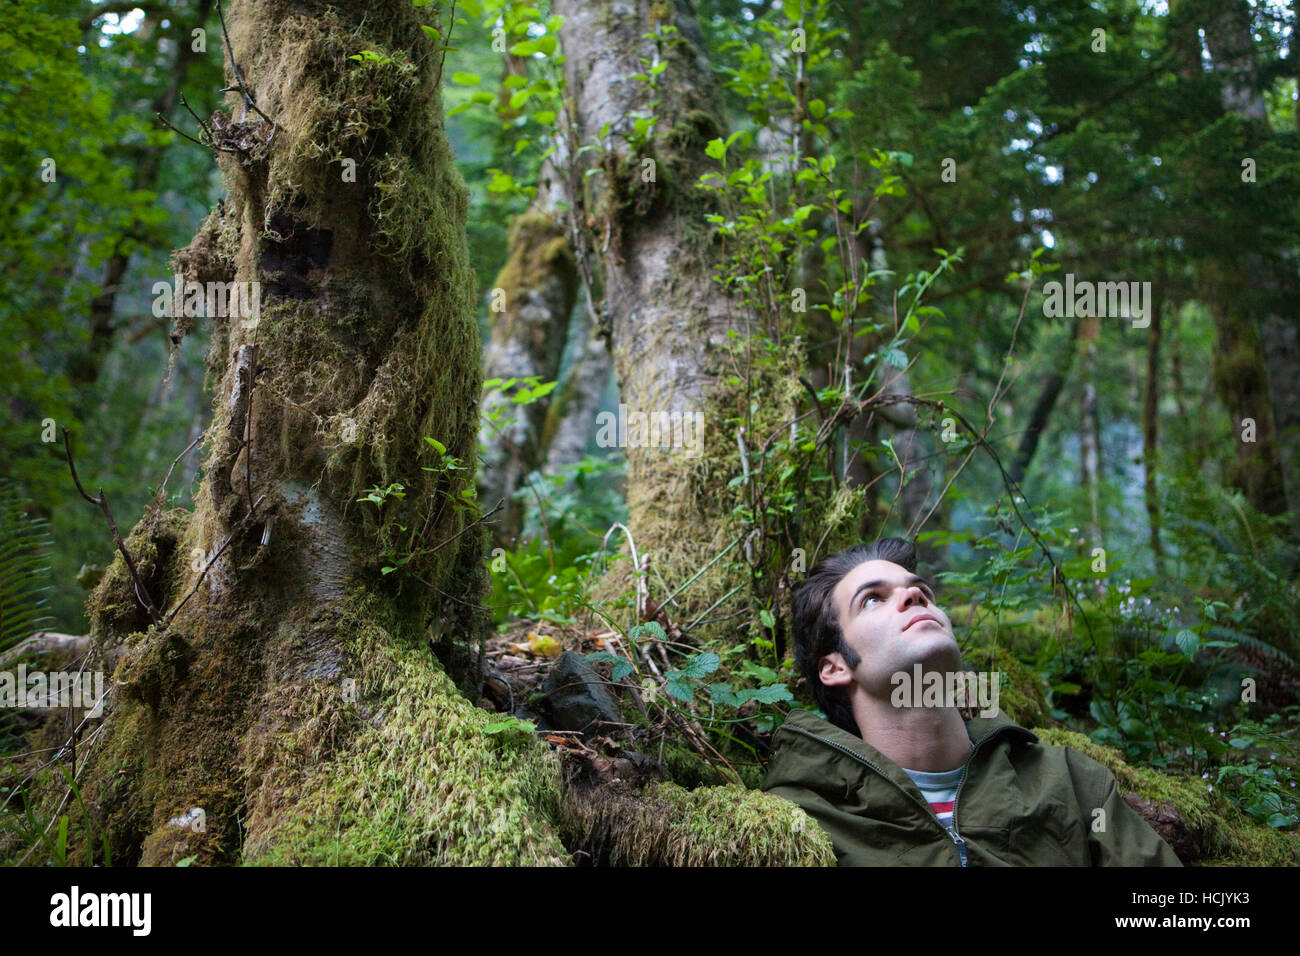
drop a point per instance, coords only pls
(833, 671)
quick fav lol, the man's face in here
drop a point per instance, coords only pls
(889, 618)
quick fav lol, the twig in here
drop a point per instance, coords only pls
(479, 520)
(636, 565)
(166, 122)
(241, 86)
(213, 560)
(199, 119)
(141, 593)
(158, 498)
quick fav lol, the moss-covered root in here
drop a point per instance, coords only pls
(664, 825)
(1208, 830)
(401, 774)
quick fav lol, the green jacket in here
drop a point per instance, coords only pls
(1021, 803)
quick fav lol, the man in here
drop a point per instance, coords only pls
(899, 779)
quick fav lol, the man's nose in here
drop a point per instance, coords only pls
(912, 595)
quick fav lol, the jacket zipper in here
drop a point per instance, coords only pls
(954, 834)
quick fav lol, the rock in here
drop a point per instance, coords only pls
(577, 696)
(541, 723)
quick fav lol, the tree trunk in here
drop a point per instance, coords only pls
(1252, 292)
(1041, 413)
(293, 697)
(1151, 431)
(570, 417)
(532, 299)
(1090, 433)
(645, 227)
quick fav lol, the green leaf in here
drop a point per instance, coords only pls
(715, 149)
(1188, 642)
(700, 665)
(187, 860)
(723, 694)
(621, 669)
(442, 449)
(510, 723)
(682, 690)
(772, 694)
(651, 629)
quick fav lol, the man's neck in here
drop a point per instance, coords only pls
(928, 739)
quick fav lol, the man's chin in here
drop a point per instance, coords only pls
(935, 649)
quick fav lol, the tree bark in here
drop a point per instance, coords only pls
(1252, 291)
(535, 291)
(1151, 432)
(645, 229)
(290, 692)
(1041, 413)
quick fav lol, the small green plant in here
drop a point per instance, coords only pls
(1264, 780)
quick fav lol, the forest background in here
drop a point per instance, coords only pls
(830, 230)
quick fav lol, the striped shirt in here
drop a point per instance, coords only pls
(940, 791)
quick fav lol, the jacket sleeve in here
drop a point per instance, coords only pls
(1119, 836)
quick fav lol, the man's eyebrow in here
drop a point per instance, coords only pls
(914, 579)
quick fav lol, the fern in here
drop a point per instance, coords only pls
(25, 542)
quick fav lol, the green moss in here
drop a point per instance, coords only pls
(666, 825)
(1022, 692)
(1220, 831)
(155, 545)
(404, 774)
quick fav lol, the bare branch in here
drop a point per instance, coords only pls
(141, 593)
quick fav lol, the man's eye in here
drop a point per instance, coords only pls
(871, 597)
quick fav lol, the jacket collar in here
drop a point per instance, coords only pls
(805, 724)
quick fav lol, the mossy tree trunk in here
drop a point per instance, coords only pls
(294, 697)
(1251, 288)
(531, 302)
(648, 239)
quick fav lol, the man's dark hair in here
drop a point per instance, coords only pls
(817, 621)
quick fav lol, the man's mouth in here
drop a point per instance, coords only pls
(919, 618)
